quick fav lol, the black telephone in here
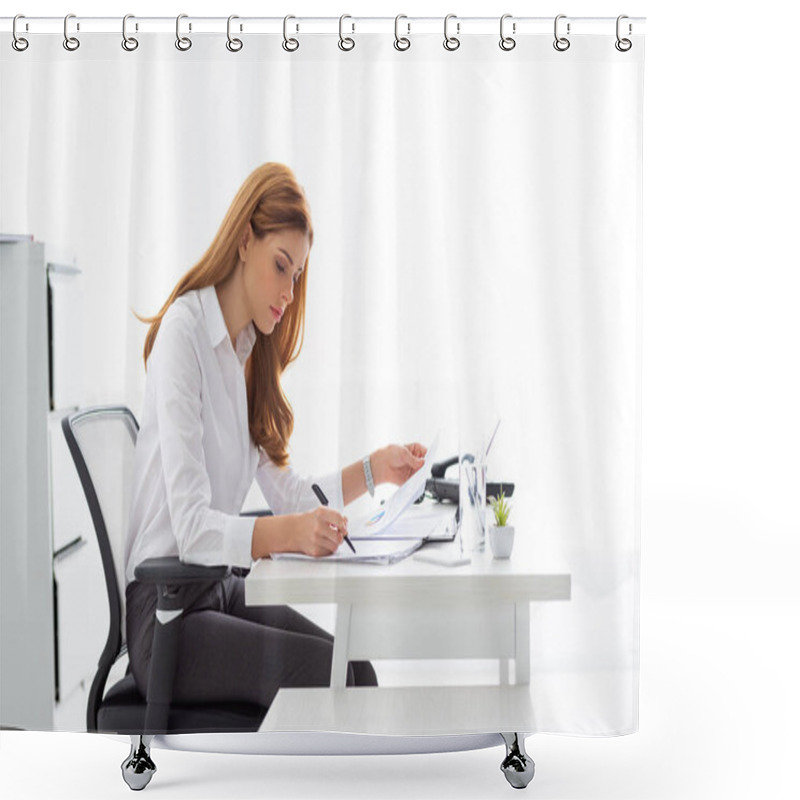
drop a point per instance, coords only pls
(447, 488)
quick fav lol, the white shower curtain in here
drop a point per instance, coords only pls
(477, 256)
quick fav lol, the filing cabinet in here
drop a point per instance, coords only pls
(53, 609)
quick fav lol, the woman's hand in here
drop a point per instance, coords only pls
(397, 463)
(319, 532)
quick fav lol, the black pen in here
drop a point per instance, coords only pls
(324, 500)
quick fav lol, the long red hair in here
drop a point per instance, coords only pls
(270, 200)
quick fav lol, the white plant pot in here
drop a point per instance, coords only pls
(501, 540)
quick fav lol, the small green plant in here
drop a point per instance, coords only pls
(501, 509)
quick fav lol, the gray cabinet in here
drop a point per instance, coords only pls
(53, 610)
(27, 687)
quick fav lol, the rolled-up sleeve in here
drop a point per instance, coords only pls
(205, 535)
(288, 492)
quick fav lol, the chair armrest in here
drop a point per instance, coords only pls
(173, 580)
(170, 569)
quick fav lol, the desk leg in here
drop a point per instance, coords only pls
(341, 639)
(522, 643)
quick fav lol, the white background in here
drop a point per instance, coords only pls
(721, 470)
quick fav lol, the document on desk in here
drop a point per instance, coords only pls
(373, 551)
(381, 518)
(429, 522)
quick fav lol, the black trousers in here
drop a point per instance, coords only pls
(233, 652)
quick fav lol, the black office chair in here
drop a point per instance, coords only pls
(102, 442)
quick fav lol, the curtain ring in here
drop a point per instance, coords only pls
(234, 45)
(451, 42)
(401, 43)
(289, 45)
(70, 42)
(623, 45)
(506, 42)
(129, 43)
(18, 42)
(561, 43)
(346, 43)
(183, 43)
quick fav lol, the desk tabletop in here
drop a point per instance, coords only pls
(484, 579)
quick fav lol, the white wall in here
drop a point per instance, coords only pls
(721, 436)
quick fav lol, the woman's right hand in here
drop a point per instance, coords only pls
(319, 532)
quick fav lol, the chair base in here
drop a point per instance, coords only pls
(123, 711)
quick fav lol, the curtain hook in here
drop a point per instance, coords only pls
(506, 42)
(451, 42)
(623, 45)
(183, 43)
(346, 43)
(290, 45)
(234, 45)
(70, 42)
(561, 43)
(401, 43)
(129, 43)
(18, 42)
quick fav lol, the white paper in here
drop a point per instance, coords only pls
(371, 551)
(383, 516)
(429, 521)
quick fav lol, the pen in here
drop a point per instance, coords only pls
(324, 500)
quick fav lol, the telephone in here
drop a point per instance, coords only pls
(447, 488)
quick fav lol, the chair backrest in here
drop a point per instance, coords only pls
(102, 441)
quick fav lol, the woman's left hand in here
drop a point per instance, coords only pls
(397, 463)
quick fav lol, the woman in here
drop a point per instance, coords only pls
(215, 417)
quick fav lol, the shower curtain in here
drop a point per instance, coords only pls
(477, 257)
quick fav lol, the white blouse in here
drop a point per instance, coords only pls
(195, 461)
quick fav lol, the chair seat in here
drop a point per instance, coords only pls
(123, 711)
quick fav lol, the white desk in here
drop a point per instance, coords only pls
(411, 610)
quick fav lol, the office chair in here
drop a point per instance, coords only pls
(102, 442)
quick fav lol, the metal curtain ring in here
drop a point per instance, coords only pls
(234, 45)
(506, 42)
(70, 42)
(345, 43)
(451, 42)
(129, 43)
(561, 43)
(623, 45)
(18, 42)
(401, 42)
(290, 45)
(183, 43)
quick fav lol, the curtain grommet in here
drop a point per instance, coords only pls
(19, 43)
(183, 43)
(71, 43)
(233, 45)
(129, 43)
(346, 43)
(289, 44)
(561, 43)
(401, 43)
(451, 43)
(622, 44)
(507, 42)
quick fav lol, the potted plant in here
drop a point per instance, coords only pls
(501, 534)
